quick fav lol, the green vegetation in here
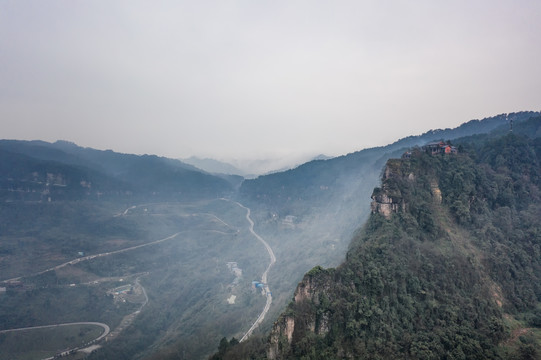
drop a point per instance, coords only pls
(329, 200)
(39, 171)
(253, 348)
(186, 278)
(187, 310)
(454, 272)
(60, 304)
(43, 343)
(61, 203)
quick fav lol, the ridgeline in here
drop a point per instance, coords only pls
(448, 265)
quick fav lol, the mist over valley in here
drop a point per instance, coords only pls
(145, 257)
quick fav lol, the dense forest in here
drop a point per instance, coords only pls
(448, 266)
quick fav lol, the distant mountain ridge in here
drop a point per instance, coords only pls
(214, 166)
(96, 173)
(335, 181)
(318, 173)
(249, 169)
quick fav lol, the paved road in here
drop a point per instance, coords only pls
(105, 327)
(263, 276)
(144, 293)
(128, 319)
(90, 257)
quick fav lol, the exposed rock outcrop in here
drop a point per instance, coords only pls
(281, 336)
(299, 318)
(386, 200)
(384, 205)
(436, 192)
(441, 278)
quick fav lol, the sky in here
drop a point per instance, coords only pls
(261, 79)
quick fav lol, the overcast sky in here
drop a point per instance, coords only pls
(249, 79)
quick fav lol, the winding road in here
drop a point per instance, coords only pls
(107, 331)
(128, 319)
(105, 327)
(263, 276)
(90, 257)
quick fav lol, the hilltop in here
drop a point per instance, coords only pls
(309, 214)
(447, 265)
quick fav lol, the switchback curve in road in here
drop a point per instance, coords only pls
(105, 327)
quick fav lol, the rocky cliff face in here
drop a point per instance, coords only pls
(397, 183)
(387, 199)
(313, 291)
(429, 278)
(384, 205)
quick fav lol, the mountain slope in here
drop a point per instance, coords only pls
(134, 176)
(449, 255)
(304, 182)
(213, 166)
(309, 214)
(335, 186)
(27, 178)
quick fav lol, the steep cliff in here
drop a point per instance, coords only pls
(448, 265)
(312, 291)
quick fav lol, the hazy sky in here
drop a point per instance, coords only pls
(247, 79)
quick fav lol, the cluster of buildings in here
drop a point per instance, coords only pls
(120, 293)
(439, 147)
(434, 148)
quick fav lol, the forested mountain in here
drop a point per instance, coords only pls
(330, 192)
(309, 214)
(448, 265)
(37, 170)
(30, 179)
(294, 188)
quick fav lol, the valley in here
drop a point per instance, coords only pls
(266, 288)
(446, 267)
(227, 234)
(176, 261)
